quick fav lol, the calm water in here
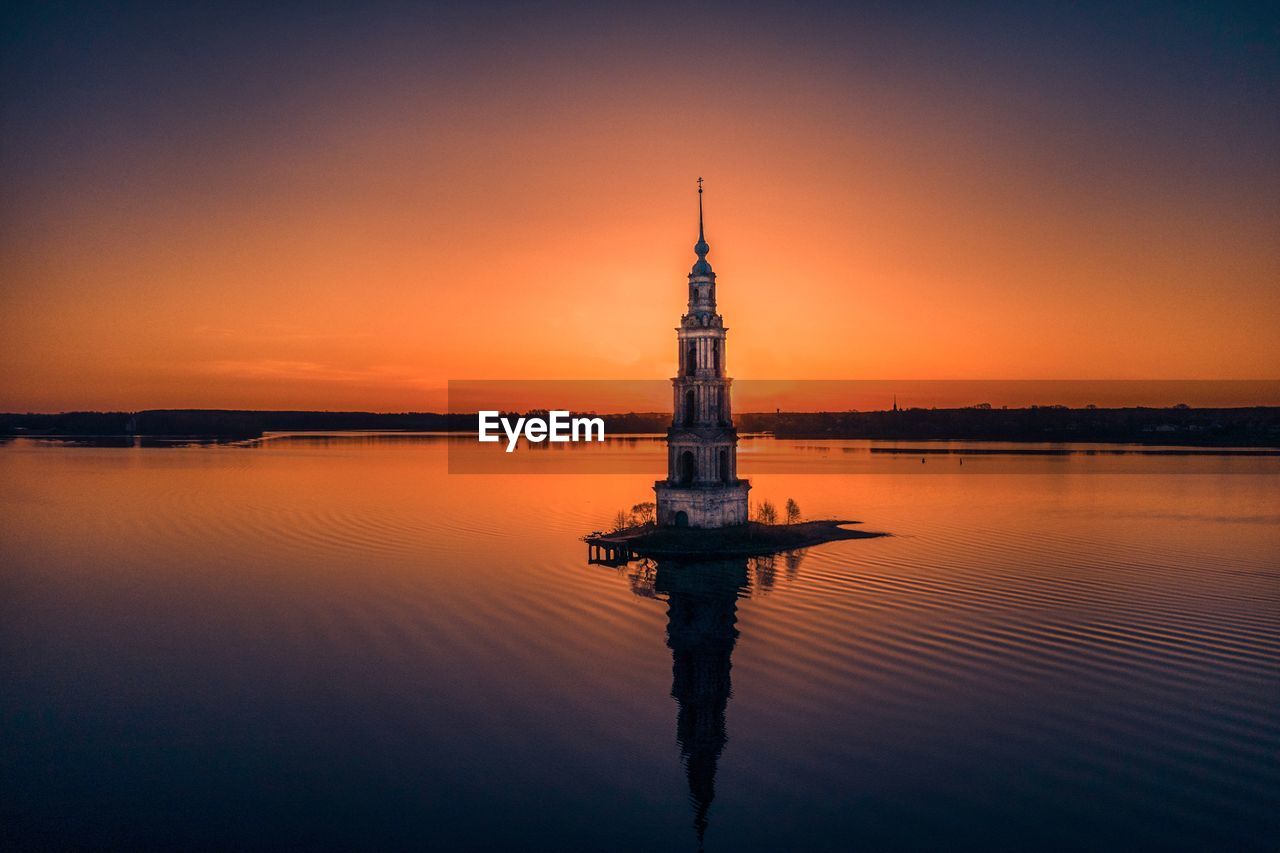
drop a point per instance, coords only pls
(334, 643)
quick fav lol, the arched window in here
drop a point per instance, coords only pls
(688, 468)
(690, 408)
(715, 357)
(691, 360)
(724, 466)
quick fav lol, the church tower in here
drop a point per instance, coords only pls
(702, 488)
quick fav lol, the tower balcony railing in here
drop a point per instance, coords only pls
(702, 320)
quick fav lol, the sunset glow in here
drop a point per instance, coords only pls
(632, 426)
(348, 210)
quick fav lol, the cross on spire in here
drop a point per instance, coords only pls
(701, 240)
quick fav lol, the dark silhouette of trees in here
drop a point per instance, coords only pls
(644, 513)
(1257, 426)
(793, 511)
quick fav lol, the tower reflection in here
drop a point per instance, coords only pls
(702, 616)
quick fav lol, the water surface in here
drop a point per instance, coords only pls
(334, 643)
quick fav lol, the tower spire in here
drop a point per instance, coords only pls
(701, 248)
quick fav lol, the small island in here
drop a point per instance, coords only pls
(753, 539)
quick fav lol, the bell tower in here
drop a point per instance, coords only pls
(702, 488)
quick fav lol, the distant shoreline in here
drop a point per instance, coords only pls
(1257, 426)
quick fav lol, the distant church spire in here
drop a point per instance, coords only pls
(701, 248)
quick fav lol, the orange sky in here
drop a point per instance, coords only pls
(387, 233)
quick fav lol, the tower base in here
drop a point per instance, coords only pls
(713, 505)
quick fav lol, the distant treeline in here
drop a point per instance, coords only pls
(1258, 426)
(222, 423)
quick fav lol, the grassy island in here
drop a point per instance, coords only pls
(753, 539)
